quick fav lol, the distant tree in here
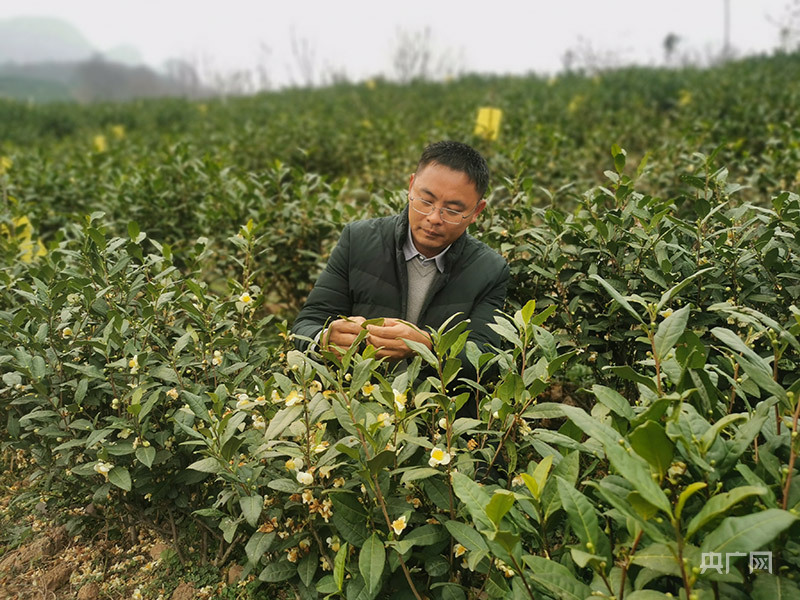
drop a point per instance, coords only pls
(412, 53)
(263, 77)
(671, 42)
(97, 79)
(584, 58)
(788, 26)
(413, 57)
(303, 72)
(184, 76)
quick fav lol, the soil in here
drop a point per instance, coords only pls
(40, 560)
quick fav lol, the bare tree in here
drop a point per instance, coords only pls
(184, 76)
(413, 57)
(583, 57)
(788, 25)
(305, 61)
(262, 67)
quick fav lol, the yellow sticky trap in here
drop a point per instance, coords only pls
(118, 131)
(100, 143)
(487, 124)
(5, 164)
(24, 238)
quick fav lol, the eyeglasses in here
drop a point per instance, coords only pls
(448, 215)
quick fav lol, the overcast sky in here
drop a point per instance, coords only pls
(358, 36)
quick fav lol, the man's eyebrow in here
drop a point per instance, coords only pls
(459, 203)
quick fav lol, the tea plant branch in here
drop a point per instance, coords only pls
(373, 480)
(792, 455)
(627, 564)
(508, 432)
(679, 538)
(522, 576)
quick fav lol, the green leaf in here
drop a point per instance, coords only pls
(474, 498)
(197, 405)
(257, 545)
(465, 424)
(133, 229)
(146, 456)
(381, 461)
(467, 536)
(181, 343)
(290, 486)
(669, 331)
(349, 518)
(591, 426)
(371, 561)
(583, 520)
(670, 293)
(536, 483)
(690, 490)
(735, 343)
(508, 540)
(307, 567)
(773, 587)
(338, 566)
(165, 373)
(636, 471)
(647, 595)
(120, 477)
(617, 296)
(748, 533)
(449, 591)
(614, 400)
(278, 571)
(527, 311)
(712, 432)
(660, 558)
(650, 441)
(556, 578)
(251, 508)
(427, 535)
(643, 508)
(718, 505)
(206, 465)
(38, 368)
(626, 372)
(425, 352)
(282, 419)
(763, 379)
(499, 505)
(418, 473)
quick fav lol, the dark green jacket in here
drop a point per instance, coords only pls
(366, 275)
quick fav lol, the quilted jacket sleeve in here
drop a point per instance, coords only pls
(483, 312)
(330, 296)
(482, 315)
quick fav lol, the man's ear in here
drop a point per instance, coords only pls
(478, 209)
(411, 182)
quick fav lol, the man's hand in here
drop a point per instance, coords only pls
(341, 333)
(389, 338)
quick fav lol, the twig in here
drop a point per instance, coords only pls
(792, 456)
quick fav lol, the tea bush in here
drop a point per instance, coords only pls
(646, 413)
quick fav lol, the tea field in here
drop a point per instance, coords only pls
(640, 441)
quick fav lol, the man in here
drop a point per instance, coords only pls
(417, 268)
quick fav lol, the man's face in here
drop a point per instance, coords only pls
(444, 188)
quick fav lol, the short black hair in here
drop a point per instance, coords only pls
(459, 157)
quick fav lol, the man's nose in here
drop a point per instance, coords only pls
(436, 216)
